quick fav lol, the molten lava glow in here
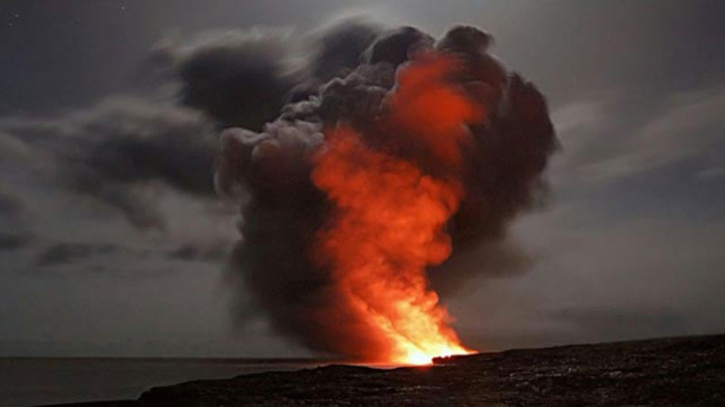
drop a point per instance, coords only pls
(389, 227)
(389, 217)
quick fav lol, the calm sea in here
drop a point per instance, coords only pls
(35, 381)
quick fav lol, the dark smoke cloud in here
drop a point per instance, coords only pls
(338, 49)
(282, 210)
(394, 47)
(244, 78)
(237, 78)
(114, 151)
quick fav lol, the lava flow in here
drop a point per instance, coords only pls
(389, 219)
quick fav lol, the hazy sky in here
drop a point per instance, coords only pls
(629, 244)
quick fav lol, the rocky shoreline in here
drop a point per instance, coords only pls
(685, 371)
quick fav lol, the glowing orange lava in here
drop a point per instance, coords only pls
(389, 219)
(388, 229)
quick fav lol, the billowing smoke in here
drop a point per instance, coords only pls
(439, 125)
(237, 78)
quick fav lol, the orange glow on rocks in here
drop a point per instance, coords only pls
(389, 218)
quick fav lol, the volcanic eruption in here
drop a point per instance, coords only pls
(373, 178)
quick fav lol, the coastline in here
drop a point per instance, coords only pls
(663, 372)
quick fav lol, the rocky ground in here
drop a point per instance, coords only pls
(661, 372)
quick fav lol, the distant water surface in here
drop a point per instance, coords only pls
(35, 381)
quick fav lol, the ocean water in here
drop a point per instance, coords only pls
(38, 381)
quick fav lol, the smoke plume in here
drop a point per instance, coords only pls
(375, 179)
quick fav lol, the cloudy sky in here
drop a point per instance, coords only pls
(113, 242)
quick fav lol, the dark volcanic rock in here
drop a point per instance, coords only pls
(661, 372)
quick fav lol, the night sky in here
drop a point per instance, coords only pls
(114, 244)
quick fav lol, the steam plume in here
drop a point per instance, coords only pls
(451, 124)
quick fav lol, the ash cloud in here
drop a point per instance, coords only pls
(503, 169)
(238, 78)
(338, 50)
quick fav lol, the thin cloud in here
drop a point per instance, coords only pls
(14, 241)
(68, 253)
(600, 147)
(114, 150)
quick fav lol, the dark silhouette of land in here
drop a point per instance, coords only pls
(688, 371)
